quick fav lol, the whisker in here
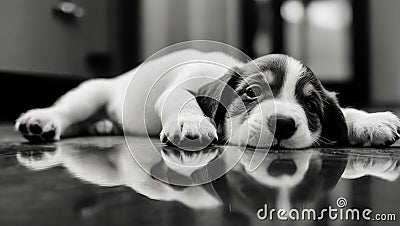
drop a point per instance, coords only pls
(324, 141)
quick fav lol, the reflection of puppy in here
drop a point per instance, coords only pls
(273, 99)
(294, 178)
(114, 166)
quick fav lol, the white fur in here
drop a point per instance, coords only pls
(371, 129)
(294, 70)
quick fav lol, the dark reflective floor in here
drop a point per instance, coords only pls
(96, 181)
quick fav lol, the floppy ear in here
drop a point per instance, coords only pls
(334, 127)
(332, 170)
(214, 97)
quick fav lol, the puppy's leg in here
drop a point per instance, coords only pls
(371, 129)
(182, 119)
(104, 127)
(78, 105)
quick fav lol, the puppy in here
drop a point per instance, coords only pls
(274, 99)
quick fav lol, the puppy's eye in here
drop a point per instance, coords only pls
(252, 92)
(312, 107)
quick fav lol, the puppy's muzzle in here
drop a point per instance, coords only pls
(285, 126)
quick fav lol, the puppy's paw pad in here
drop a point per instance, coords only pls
(38, 125)
(376, 129)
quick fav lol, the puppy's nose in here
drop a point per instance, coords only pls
(280, 167)
(285, 126)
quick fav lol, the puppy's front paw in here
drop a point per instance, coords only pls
(375, 129)
(189, 130)
(39, 125)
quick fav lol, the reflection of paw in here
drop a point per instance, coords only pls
(375, 129)
(190, 159)
(378, 166)
(39, 125)
(185, 162)
(189, 130)
(38, 160)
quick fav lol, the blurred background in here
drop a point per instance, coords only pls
(49, 46)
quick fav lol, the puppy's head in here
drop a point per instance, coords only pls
(273, 97)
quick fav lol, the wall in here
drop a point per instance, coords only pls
(33, 39)
(166, 22)
(385, 52)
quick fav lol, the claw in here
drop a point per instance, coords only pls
(163, 138)
(215, 135)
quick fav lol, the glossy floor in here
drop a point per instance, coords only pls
(100, 181)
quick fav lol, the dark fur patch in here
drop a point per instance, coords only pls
(215, 97)
(276, 64)
(314, 98)
(328, 115)
(333, 122)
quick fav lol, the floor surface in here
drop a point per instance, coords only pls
(103, 181)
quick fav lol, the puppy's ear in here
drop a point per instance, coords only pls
(215, 96)
(333, 122)
(332, 170)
